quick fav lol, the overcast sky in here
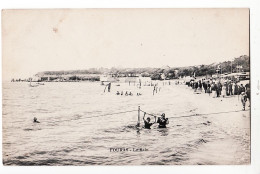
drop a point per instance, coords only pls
(41, 40)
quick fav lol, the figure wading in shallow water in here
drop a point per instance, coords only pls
(162, 121)
(147, 123)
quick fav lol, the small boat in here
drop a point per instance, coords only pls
(40, 83)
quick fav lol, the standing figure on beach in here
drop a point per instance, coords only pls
(236, 89)
(243, 99)
(248, 92)
(230, 88)
(196, 86)
(205, 86)
(147, 123)
(242, 89)
(224, 90)
(226, 85)
(219, 89)
(208, 88)
(162, 121)
(200, 85)
(214, 89)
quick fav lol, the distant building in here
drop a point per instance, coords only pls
(163, 76)
(108, 78)
(176, 73)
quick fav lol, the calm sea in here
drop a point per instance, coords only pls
(76, 129)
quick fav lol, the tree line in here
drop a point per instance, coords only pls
(239, 64)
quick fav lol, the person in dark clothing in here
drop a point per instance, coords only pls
(200, 85)
(236, 89)
(248, 93)
(227, 89)
(243, 99)
(35, 120)
(230, 89)
(147, 123)
(204, 84)
(247, 86)
(109, 87)
(242, 89)
(162, 121)
(219, 89)
(196, 85)
(208, 88)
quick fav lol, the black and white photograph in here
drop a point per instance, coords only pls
(124, 87)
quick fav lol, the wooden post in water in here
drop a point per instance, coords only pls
(138, 123)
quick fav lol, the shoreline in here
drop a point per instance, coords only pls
(235, 145)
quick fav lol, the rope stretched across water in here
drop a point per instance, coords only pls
(116, 113)
(111, 114)
(102, 115)
(194, 115)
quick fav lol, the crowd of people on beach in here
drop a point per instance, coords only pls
(221, 88)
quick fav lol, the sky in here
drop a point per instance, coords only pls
(73, 39)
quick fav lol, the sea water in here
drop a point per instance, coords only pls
(76, 127)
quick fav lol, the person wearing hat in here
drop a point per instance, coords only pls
(147, 123)
(243, 99)
(162, 121)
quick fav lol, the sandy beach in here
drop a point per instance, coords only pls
(234, 144)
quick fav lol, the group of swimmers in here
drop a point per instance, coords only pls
(162, 121)
(126, 93)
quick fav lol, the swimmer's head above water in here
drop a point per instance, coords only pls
(163, 115)
(35, 120)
